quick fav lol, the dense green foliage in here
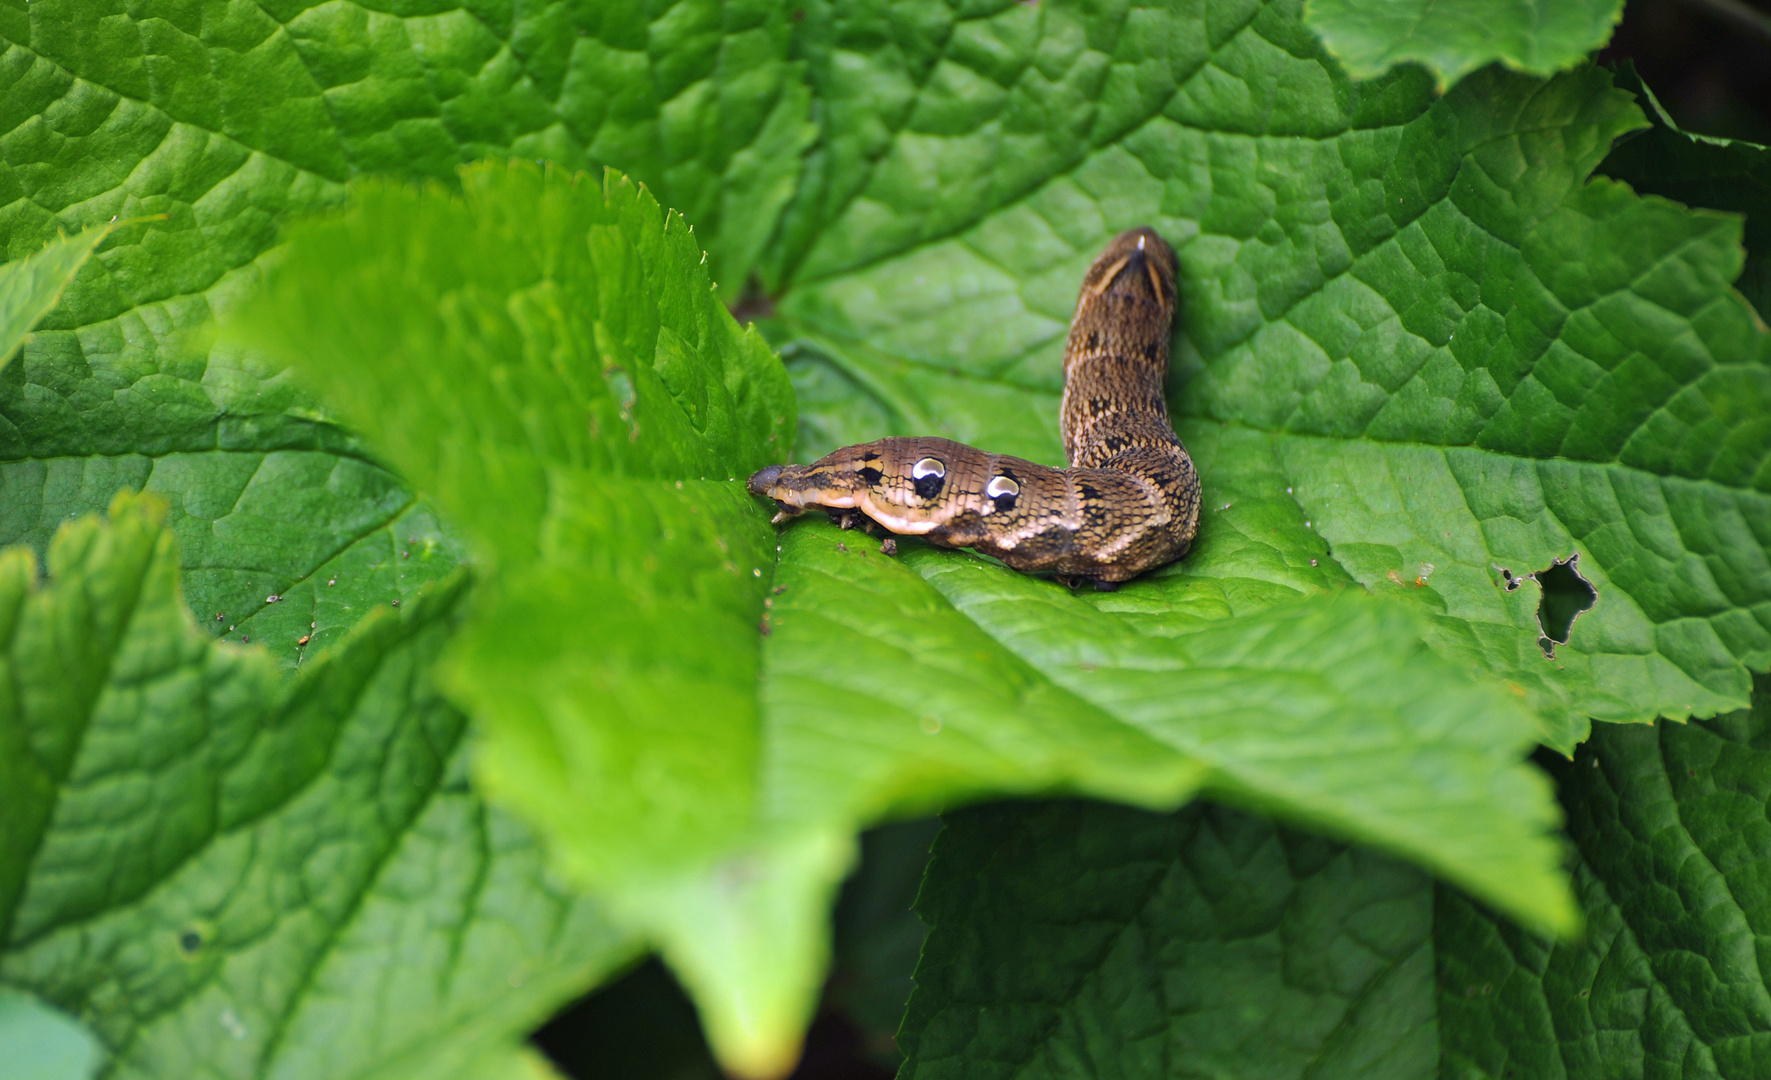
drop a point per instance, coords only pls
(1077, 940)
(1423, 355)
(235, 858)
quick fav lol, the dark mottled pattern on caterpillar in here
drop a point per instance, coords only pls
(1129, 501)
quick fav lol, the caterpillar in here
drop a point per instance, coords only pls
(1129, 502)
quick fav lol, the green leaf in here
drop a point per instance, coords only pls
(1675, 852)
(561, 375)
(1718, 174)
(39, 1043)
(1451, 40)
(217, 868)
(664, 696)
(222, 123)
(1416, 344)
(31, 286)
(1084, 940)
(1294, 710)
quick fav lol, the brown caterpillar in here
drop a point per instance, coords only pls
(1129, 500)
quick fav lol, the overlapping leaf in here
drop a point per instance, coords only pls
(1076, 940)
(217, 870)
(709, 784)
(1419, 349)
(1671, 825)
(31, 286)
(1452, 40)
(1717, 174)
(222, 121)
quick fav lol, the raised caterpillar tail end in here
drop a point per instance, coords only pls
(1129, 501)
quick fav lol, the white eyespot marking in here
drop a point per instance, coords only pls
(1000, 486)
(1140, 243)
(928, 466)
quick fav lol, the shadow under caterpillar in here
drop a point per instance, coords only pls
(1129, 502)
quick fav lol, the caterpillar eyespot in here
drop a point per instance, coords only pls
(1127, 503)
(1002, 491)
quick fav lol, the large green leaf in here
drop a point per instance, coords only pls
(221, 121)
(224, 873)
(699, 717)
(1083, 940)
(1672, 827)
(1452, 40)
(1418, 349)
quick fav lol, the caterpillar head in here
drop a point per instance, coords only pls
(911, 486)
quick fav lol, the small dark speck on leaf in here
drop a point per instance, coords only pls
(405, 554)
(842, 547)
(396, 603)
(303, 640)
(272, 598)
(190, 941)
(888, 546)
(219, 616)
(763, 627)
(245, 639)
(1691, 772)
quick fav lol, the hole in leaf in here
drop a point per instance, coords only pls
(1565, 595)
(190, 941)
